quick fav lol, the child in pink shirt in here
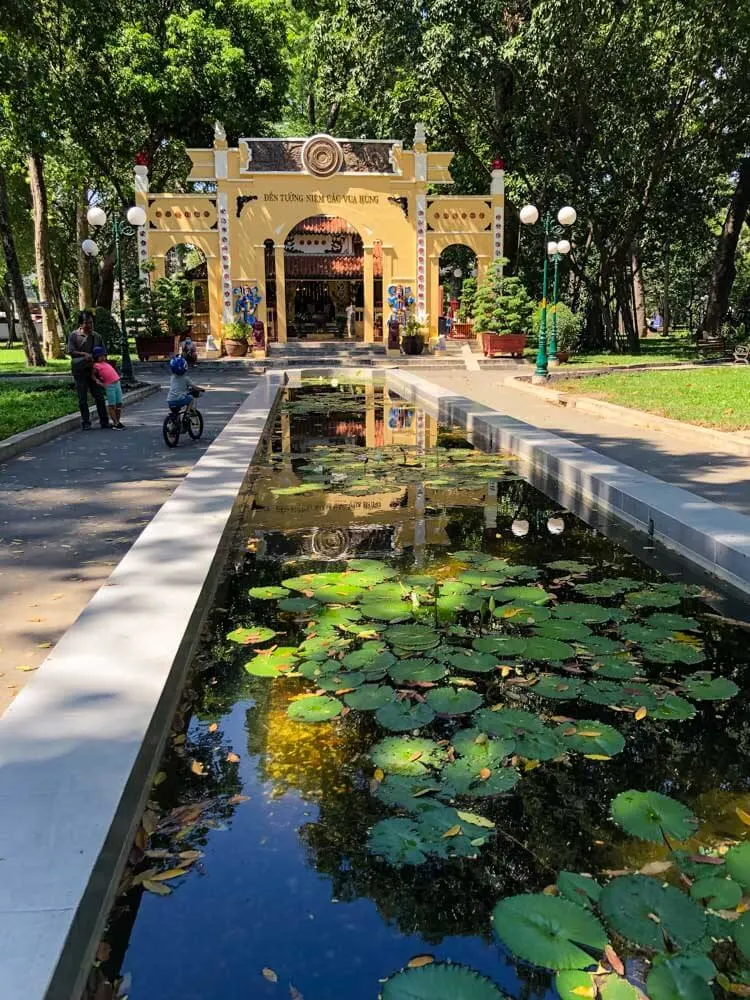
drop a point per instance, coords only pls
(106, 376)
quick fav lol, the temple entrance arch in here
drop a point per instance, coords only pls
(185, 260)
(458, 283)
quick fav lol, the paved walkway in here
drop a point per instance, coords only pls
(708, 471)
(70, 509)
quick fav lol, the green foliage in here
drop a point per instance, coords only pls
(235, 331)
(172, 297)
(107, 326)
(315, 708)
(548, 931)
(468, 299)
(502, 305)
(439, 981)
(630, 903)
(569, 326)
(652, 816)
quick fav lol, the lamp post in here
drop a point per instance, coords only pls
(566, 217)
(97, 218)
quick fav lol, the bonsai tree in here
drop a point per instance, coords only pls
(171, 296)
(503, 305)
(236, 331)
(468, 299)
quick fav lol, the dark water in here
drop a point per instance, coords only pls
(285, 881)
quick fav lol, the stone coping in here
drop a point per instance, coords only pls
(711, 536)
(80, 744)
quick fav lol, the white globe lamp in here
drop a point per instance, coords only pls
(90, 248)
(529, 215)
(563, 246)
(567, 215)
(551, 248)
(136, 216)
(555, 525)
(520, 527)
(96, 216)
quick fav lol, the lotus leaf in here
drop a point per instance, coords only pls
(673, 708)
(581, 889)
(688, 865)
(337, 593)
(480, 578)
(386, 591)
(602, 692)
(374, 569)
(365, 655)
(469, 556)
(267, 593)
(540, 746)
(416, 671)
(636, 632)
(315, 708)
(629, 904)
(420, 581)
(592, 614)
(315, 669)
(600, 645)
(509, 723)
(320, 647)
(511, 571)
(399, 841)
(454, 587)
(251, 635)
(471, 661)
(482, 748)
(652, 816)
(405, 755)
(369, 697)
(673, 622)
(682, 977)
(522, 595)
(527, 647)
(453, 701)
(440, 981)
(449, 604)
(703, 686)
(614, 987)
(444, 829)
(673, 652)
(412, 637)
(589, 736)
(716, 892)
(311, 581)
(555, 686)
(299, 605)
(272, 663)
(614, 667)
(608, 588)
(340, 681)
(522, 614)
(563, 629)
(475, 778)
(652, 599)
(402, 716)
(740, 929)
(636, 695)
(405, 791)
(570, 566)
(738, 863)
(387, 610)
(548, 931)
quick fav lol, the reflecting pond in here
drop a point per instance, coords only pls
(424, 689)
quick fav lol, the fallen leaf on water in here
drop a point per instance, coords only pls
(614, 960)
(531, 764)
(655, 868)
(653, 916)
(596, 756)
(583, 991)
(425, 791)
(27, 667)
(188, 857)
(213, 727)
(614, 872)
(453, 832)
(745, 817)
(570, 731)
(270, 975)
(475, 820)
(159, 777)
(141, 839)
(589, 732)
(168, 875)
(237, 799)
(561, 718)
(197, 768)
(415, 756)
(485, 773)
(705, 859)
(379, 774)
(505, 671)
(419, 960)
(233, 758)
(157, 852)
(34, 619)
(179, 740)
(550, 890)
(158, 888)
(295, 994)
(641, 713)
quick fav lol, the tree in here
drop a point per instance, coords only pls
(31, 343)
(50, 330)
(502, 304)
(724, 268)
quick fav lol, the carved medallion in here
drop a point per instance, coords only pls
(322, 156)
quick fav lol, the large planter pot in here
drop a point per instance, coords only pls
(499, 344)
(235, 348)
(462, 331)
(563, 357)
(412, 345)
(156, 347)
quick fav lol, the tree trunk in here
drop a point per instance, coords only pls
(666, 310)
(85, 291)
(106, 291)
(724, 269)
(31, 343)
(50, 329)
(6, 301)
(639, 297)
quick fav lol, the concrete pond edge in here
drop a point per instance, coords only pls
(80, 743)
(16, 444)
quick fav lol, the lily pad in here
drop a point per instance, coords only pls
(453, 701)
(560, 628)
(608, 588)
(630, 903)
(580, 889)
(369, 653)
(387, 610)
(519, 614)
(476, 779)
(591, 614)
(402, 716)
(402, 755)
(614, 667)
(716, 892)
(299, 605)
(412, 637)
(602, 692)
(268, 593)
(480, 747)
(555, 686)
(405, 791)
(738, 863)
(678, 978)
(316, 708)
(652, 599)
(472, 662)
(416, 671)
(548, 931)
(369, 697)
(741, 932)
(272, 664)
(510, 723)
(652, 816)
(570, 566)
(587, 736)
(340, 680)
(638, 633)
(601, 645)
(673, 708)
(672, 621)
(703, 686)
(673, 652)
(526, 647)
(399, 841)
(440, 981)
(251, 635)
(522, 595)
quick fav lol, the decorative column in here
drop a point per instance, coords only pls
(222, 204)
(434, 293)
(369, 296)
(497, 190)
(420, 174)
(141, 200)
(280, 293)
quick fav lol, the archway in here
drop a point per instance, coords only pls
(187, 261)
(324, 280)
(458, 285)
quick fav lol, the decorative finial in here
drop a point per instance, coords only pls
(419, 133)
(219, 132)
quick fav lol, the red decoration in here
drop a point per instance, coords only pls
(141, 159)
(498, 164)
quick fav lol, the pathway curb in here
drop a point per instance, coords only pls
(18, 443)
(733, 442)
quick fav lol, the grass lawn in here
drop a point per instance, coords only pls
(710, 397)
(13, 360)
(654, 351)
(32, 403)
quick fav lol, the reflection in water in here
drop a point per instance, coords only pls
(286, 881)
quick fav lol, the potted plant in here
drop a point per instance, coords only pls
(235, 339)
(412, 339)
(463, 327)
(568, 330)
(503, 312)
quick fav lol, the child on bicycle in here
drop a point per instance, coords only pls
(180, 385)
(107, 377)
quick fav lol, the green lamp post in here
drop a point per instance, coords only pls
(555, 249)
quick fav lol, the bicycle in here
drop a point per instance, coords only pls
(183, 418)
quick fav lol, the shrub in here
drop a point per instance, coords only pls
(468, 299)
(569, 326)
(108, 329)
(235, 331)
(502, 304)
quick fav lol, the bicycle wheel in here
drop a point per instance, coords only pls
(171, 430)
(195, 423)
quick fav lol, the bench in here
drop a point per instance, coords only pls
(706, 344)
(742, 354)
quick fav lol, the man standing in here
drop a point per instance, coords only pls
(81, 344)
